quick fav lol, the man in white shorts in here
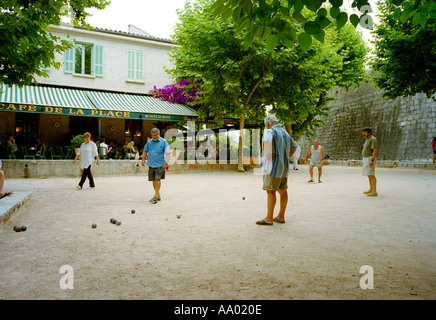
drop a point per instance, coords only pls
(369, 153)
(317, 155)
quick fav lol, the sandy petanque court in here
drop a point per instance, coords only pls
(215, 250)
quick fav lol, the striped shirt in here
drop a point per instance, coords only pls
(283, 143)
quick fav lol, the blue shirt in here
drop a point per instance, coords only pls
(283, 143)
(157, 150)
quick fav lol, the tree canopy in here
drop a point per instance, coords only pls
(269, 20)
(405, 61)
(27, 48)
(242, 80)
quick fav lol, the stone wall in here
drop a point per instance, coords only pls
(404, 127)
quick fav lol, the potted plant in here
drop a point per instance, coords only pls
(77, 141)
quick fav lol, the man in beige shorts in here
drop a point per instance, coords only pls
(278, 147)
(369, 153)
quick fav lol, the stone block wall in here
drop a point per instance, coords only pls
(404, 127)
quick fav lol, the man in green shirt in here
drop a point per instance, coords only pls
(369, 153)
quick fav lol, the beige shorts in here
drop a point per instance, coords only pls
(274, 184)
(367, 170)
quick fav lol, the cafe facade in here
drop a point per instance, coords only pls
(103, 87)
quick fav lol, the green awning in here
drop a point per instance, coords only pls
(79, 102)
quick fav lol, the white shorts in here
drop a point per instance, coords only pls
(316, 164)
(367, 170)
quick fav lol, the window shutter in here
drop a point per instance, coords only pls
(139, 66)
(98, 60)
(130, 65)
(135, 66)
(69, 60)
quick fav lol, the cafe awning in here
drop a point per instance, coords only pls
(92, 103)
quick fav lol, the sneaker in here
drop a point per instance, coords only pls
(78, 187)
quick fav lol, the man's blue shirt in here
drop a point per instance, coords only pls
(283, 144)
(157, 150)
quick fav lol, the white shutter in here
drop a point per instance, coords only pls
(135, 66)
(69, 60)
(98, 60)
(130, 65)
(139, 66)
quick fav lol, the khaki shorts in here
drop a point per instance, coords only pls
(367, 170)
(271, 183)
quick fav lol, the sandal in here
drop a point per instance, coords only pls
(276, 219)
(154, 199)
(264, 223)
(310, 180)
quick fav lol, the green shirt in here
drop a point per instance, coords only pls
(370, 144)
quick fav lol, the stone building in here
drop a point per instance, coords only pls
(404, 126)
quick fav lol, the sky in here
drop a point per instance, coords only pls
(156, 17)
(159, 17)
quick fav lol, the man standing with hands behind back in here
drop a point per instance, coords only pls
(157, 152)
(369, 153)
(278, 147)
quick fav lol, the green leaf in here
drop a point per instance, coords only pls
(354, 19)
(397, 2)
(336, 3)
(404, 16)
(299, 17)
(341, 20)
(246, 5)
(226, 14)
(271, 42)
(397, 13)
(217, 7)
(323, 21)
(312, 27)
(291, 3)
(320, 36)
(298, 6)
(322, 12)
(416, 19)
(334, 12)
(288, 43)
(305, 41)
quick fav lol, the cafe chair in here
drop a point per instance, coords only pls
(25, 154)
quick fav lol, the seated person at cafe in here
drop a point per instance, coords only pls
(112, 150)
(103, 147)
(38, 145)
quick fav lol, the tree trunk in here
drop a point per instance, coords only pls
(241, 147)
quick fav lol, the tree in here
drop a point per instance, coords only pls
(268, 20)
(240, 80)
(338, 62)
(405, 61)
(27, 48)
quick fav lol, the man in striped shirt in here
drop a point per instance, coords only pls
(278, 147)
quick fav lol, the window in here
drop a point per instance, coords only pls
(135, 66)
(84, 59)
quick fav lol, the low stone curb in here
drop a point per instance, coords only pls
(10, 204)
